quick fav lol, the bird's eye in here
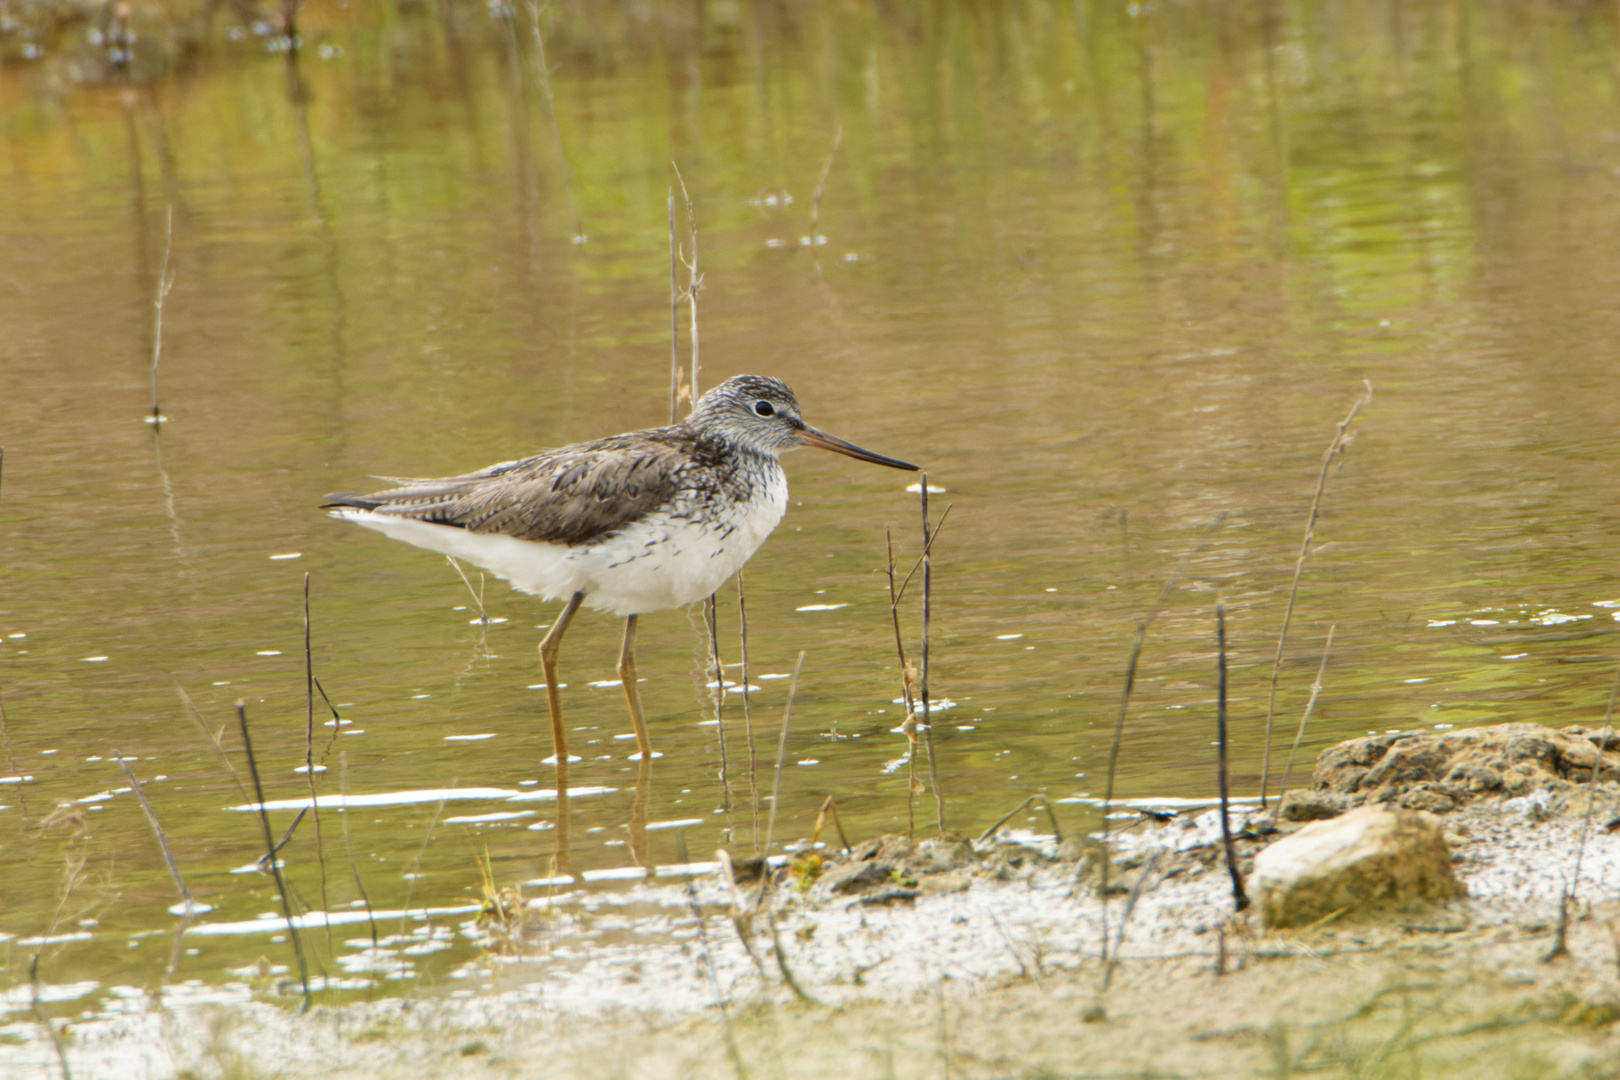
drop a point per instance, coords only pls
(764, 408)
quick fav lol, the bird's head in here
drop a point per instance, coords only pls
(763, 414)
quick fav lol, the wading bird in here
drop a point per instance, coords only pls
(629, 524)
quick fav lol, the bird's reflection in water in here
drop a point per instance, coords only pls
(561, 859)
(640, 850)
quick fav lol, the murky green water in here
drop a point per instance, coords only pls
(1107, 273)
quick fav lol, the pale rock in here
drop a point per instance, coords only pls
(1367, 858)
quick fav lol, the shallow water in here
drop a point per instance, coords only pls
(1106, 275)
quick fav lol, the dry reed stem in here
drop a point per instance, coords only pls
(157, 830)
(213, 740)
(337, 720)
(909, 723)
(829, 808)
(781, 752)
(1305, 719)
(412, 871)
(694, 280)
(45, 1021)
(922, 690)
(309, 765)
(1125, 918)
(165, 283)
(1560, 944)
(928, 726)
(1340, 441)
(1240, 899)
(711, 616)
(556, 128)
(674, 317)
(939, 527)
(1051, 817)
(782, 959)
(286, 836)
(72, 877)
(1125, 704)
(270, 848)
(748, 713)
(708, 963)
(742, 911)
(1018, 957)
(821, 185)
(476, 594)
(348, 844)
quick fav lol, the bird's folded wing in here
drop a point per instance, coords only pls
(569, 496)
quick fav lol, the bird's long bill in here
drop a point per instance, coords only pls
(821, 439)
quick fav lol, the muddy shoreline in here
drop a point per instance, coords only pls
(983, 961)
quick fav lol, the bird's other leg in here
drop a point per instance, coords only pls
(632, 695)
(548, 665)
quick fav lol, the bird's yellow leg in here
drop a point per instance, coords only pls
(632, 695)
(548, 664)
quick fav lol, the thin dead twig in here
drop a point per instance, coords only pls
(781, 751)
(928, 726)
(157, 830)
(309, 764)
(1125, 703)
(821, 185)
(165, 283)
(1015, 811)
(1305, 718)
(1560, 945)
(275, 864)
(1339, 442)
(748, 712)
(1240, 899)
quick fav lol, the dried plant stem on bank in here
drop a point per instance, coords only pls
(821, 186)
(1304, 720)
(157, 830)
(1560, 944)
(748, 713)
(1125, 918)
(270, 849)
(781, 954)
(1051, 818)
(348, 844)
(781, 751)
(1125, 704)
(1339, 442)
(165, 283)
(928, 725)
(1240, 899)
(732, 1050)
(829, 809)
(309, 765)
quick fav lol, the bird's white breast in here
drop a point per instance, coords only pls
(672, 557)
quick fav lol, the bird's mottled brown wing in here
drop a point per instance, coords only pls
(568, 496)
